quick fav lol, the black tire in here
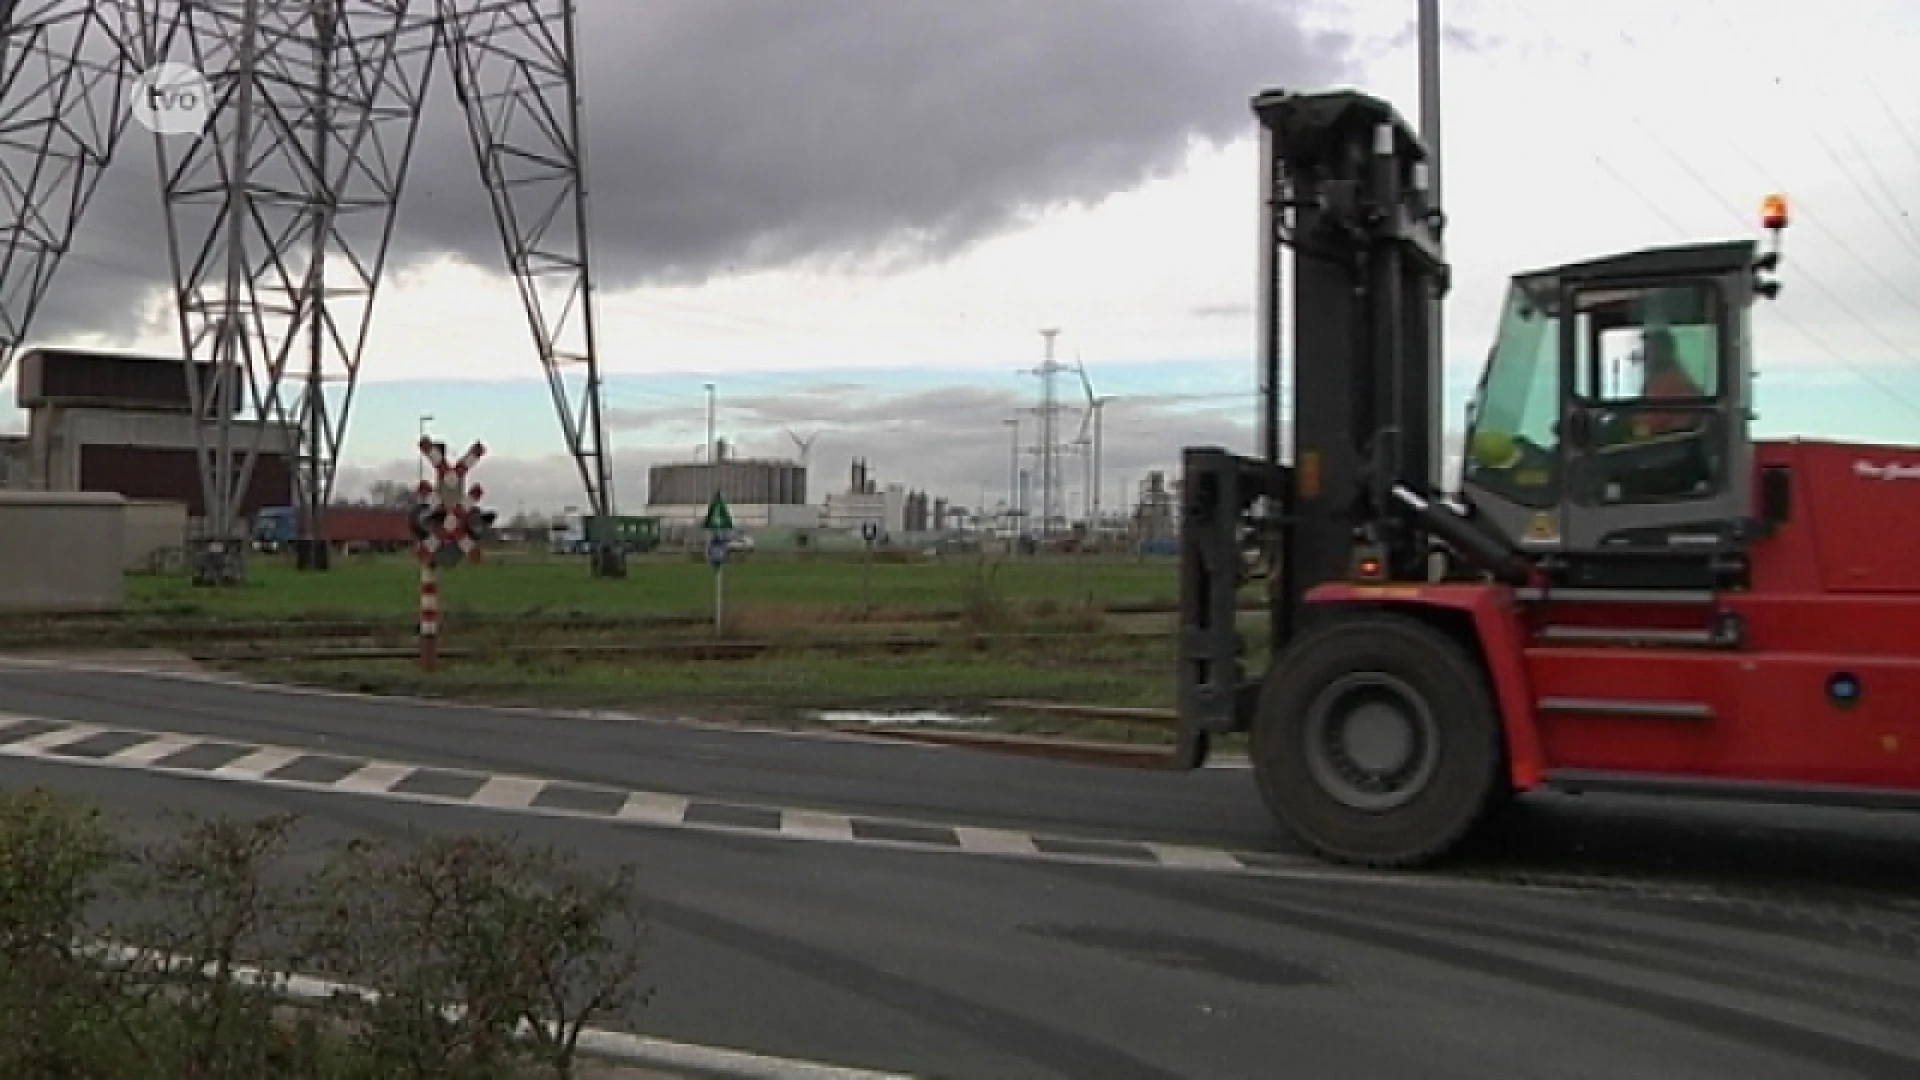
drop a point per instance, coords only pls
(1432, 692)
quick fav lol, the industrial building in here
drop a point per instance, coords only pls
(865, 501)
(1154, 517)
(760, 492)
(124, 423)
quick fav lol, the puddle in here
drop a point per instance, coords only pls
(850, 718)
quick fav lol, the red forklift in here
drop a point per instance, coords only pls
(1625, 592)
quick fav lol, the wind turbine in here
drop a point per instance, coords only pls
(1094, 406)
(805, 445)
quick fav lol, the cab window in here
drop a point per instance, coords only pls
(1640, 345)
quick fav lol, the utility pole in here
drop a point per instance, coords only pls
(1049, 372)
(421, 470)
(711, 456)
(1099, 406)
(1013, 473)
(1429, 34)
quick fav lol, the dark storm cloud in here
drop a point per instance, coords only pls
(740, 134)
(117, 265)
(731, 135)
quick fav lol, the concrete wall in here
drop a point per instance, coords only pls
(61, 551)
(16, 462)
(151, 529)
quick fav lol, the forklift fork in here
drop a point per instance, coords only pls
(1218, 491)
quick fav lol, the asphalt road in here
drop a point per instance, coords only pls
(797, 911)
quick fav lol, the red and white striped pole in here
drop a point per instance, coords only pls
(431, 495)
(429, 615)
(444, 496)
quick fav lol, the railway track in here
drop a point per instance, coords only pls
(164, 630)
(666, 649)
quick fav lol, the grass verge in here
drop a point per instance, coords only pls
(387, 586)
(1105, 670)
(801, 677)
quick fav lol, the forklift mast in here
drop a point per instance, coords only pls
(1344, 186)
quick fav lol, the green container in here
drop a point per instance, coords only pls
(635, 534)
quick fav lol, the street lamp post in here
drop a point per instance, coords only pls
(420, 467)
(1013, 475)
(711, 456)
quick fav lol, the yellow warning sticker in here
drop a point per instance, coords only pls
(1542, 528)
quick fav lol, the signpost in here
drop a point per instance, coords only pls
(444, 524)
(719, 526)
(869, 532)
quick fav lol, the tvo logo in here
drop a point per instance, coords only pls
(172, 99)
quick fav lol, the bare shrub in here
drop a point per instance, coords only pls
(488, 958)
(484, 960)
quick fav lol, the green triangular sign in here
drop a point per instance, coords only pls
(718, 517)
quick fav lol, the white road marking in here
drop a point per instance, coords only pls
(508, 792)
(260, 762)
(653, 808)
(1188, 858)
(814, 825)
(995, 842)
(52, 740)
(151, 751)
(660, 809)
(374, 779)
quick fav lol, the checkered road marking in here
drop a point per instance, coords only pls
(284, 767)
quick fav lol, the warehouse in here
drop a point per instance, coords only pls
(123, 423)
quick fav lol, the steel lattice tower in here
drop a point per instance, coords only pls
(516, 72)
(1048, 448)
(280, 209)
(64, 74)
(279, 216)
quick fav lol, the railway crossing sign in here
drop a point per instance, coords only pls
(447, 507)
(719, 518)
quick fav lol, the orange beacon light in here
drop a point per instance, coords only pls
(1773, 212)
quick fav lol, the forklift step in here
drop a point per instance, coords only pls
(1595, 635)
(1644, 597)
(1655, 710)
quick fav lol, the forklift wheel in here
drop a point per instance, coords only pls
(1377, 741)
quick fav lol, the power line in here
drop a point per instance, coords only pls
(1811, 279)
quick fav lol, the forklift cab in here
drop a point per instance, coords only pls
(1608, 436)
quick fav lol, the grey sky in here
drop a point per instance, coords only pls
(731, 135)
(949, 441)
